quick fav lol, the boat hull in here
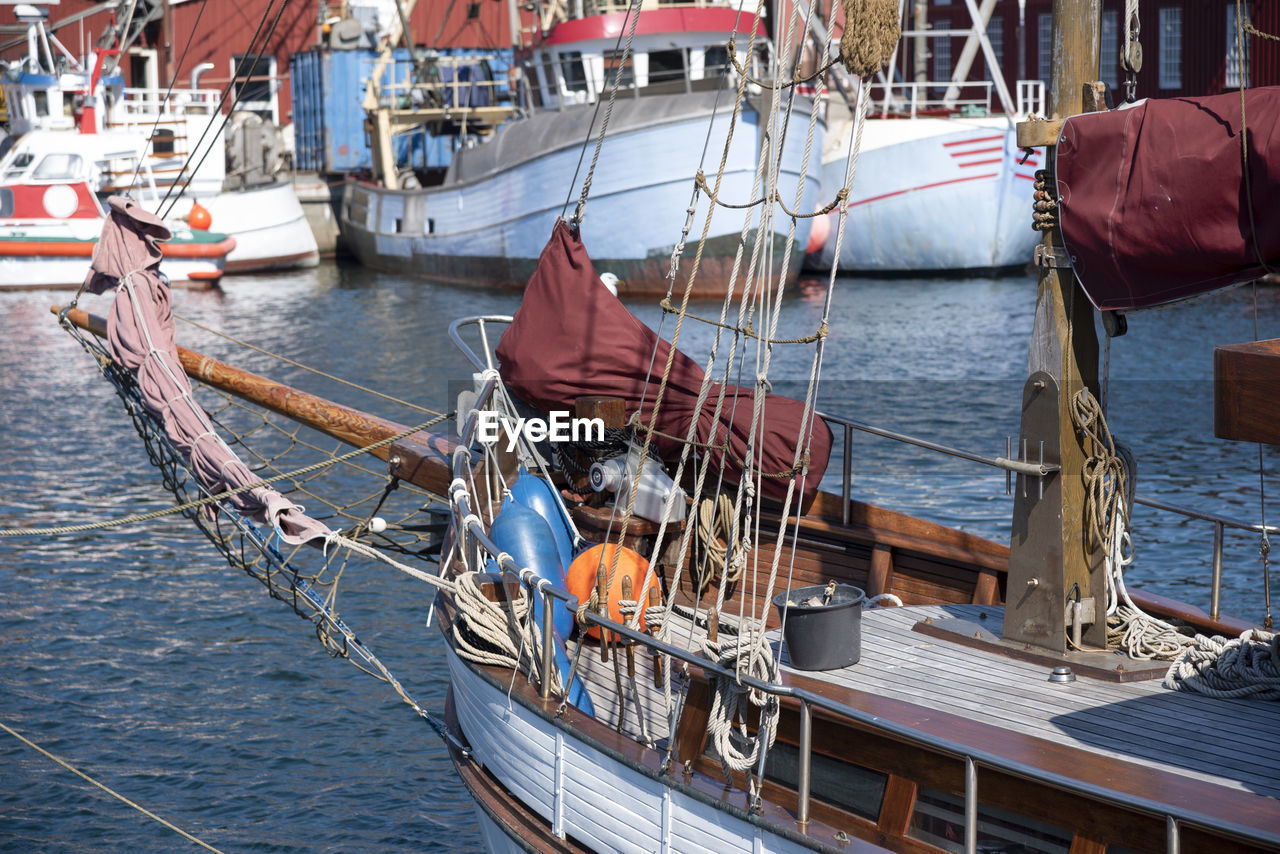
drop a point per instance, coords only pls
(269, 225)
(29, 261)
(932, 195)
(555, 774)
(489, 223)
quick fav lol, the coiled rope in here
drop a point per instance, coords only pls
(1108, 473)
(1247, 666)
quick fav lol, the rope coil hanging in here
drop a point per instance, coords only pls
(871, 32)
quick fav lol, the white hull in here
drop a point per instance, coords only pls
(560, 777)
(492, 228)
(269, 226)
(931, 195)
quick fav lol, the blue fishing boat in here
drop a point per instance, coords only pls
(484, 219)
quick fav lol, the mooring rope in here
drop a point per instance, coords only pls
(112, 792)
(1109, 485)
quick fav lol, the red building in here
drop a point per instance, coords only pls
(1188, 45)
(218, 39)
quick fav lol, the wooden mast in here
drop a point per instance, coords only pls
(1052, 559)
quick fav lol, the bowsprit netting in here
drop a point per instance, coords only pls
(343, 489)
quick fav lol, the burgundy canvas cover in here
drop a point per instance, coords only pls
(572, 338)
(1152, 198)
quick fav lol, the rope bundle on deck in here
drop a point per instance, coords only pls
(1247, 666)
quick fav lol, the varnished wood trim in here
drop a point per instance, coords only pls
(880, 575)
(987, 590)
(895, 813)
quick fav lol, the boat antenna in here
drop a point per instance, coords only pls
(257, 58)
(633, 15)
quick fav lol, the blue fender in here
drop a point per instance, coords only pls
(526, 536)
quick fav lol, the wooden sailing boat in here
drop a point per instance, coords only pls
(985, 711)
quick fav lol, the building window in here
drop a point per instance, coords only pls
(1109, 50)
(942, 53)
(1171, 47)
(256, 85)
(1044, 46)
(995, 35)
(1237, 65)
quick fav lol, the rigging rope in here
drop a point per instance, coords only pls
(112, 792)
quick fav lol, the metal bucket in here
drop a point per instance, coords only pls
(822, 633)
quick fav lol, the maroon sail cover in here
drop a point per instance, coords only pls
(572, 338)
(1152, 197)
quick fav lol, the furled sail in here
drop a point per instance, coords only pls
(140, 330)
(571, 338)
(1153, 202)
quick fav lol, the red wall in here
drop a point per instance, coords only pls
(222, 28)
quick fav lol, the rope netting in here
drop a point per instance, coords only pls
(376, 519)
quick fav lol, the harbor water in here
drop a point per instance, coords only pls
(138, 656)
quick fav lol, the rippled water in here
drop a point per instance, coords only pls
(139, 656)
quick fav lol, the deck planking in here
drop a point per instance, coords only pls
(1233, 743)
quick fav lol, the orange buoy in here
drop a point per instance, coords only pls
(199, 218)
(581, 578)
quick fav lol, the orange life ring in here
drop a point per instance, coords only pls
(581, 578)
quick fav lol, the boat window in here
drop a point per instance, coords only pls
(938, 819)
(6, 202)
(55, 167)
(1109, 48)
(42, 102)
(575, 75)
(665, 65)
(841, 784)
(613, 59)
(716, 61)
(19, 165)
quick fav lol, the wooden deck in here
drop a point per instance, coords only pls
(1233, 743)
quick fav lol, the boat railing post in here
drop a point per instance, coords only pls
(846, 475)
(1215, 595)
(970, 806)
(1171, 831)
(806, 755)
(547, 643)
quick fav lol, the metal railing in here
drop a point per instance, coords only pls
(470, 525)
(1026, 468)
(911, 98)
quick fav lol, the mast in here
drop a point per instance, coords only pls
(1056, 574)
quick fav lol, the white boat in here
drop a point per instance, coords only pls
(49, 228)
(926, 154)
(485, 219)
(57, 104)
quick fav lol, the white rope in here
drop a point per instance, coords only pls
(1109, 482)
(1247, 666)
(748, 654)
